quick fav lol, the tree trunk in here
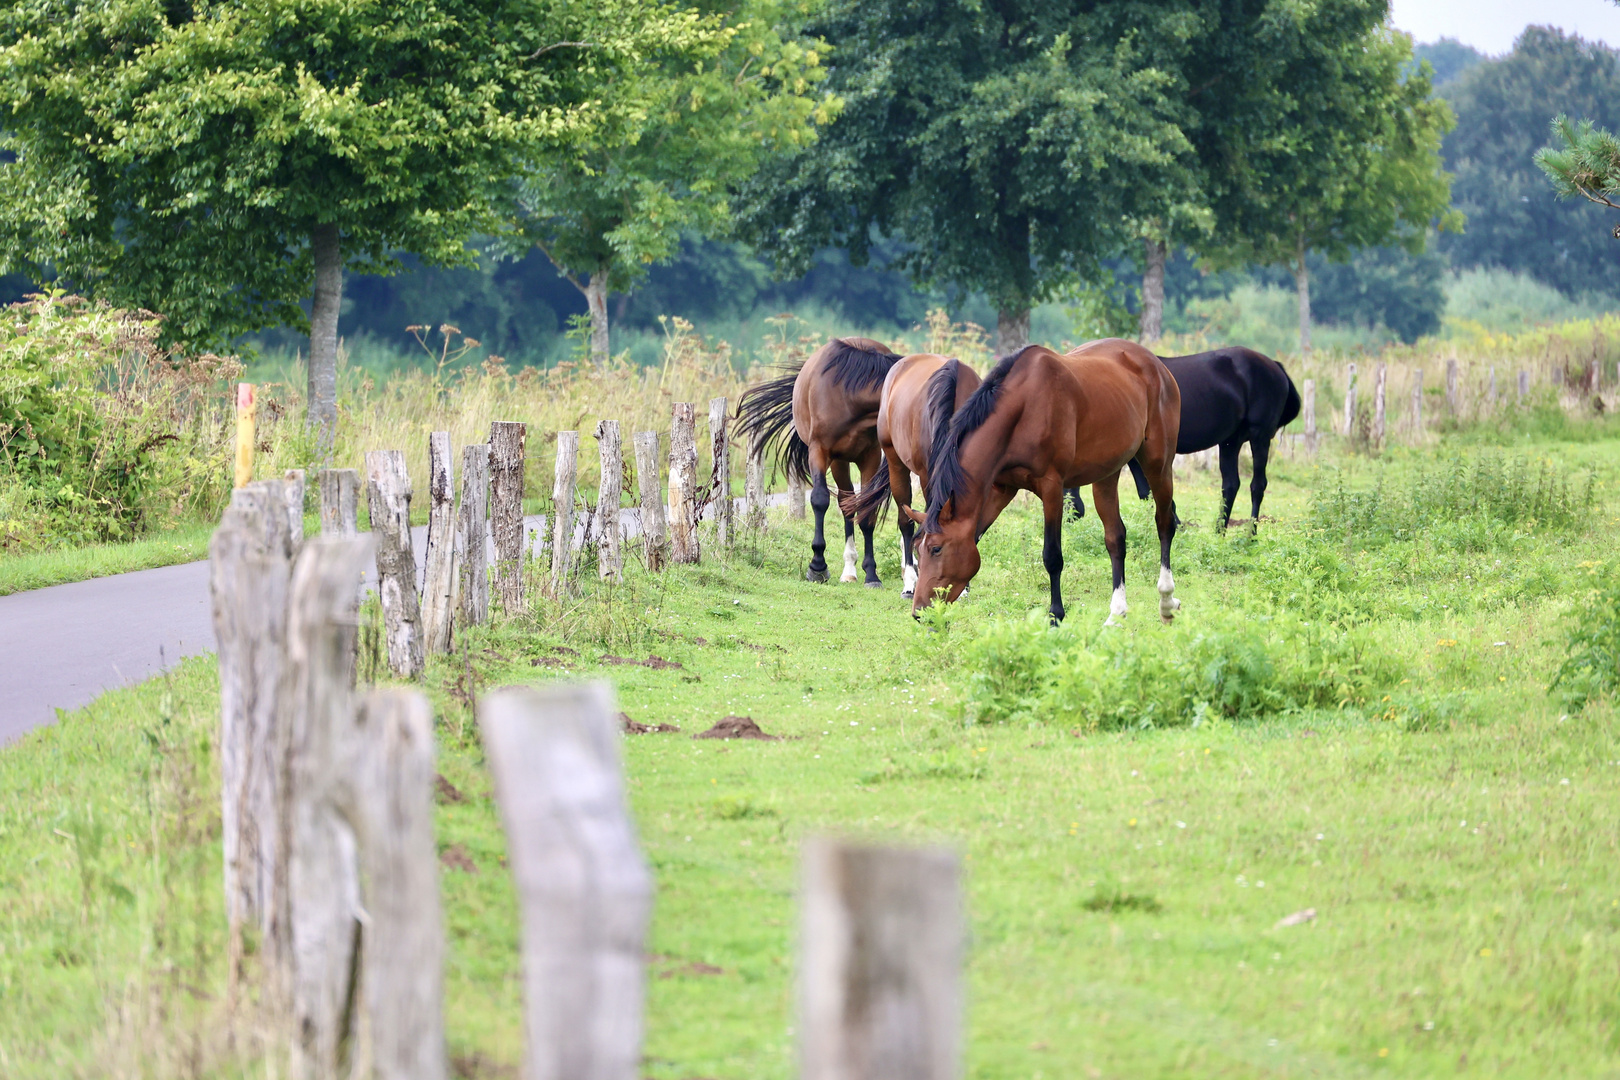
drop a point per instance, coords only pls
(323, 334)
(1302, 281)
(1012, 329)
(1153, 291)
(596, 300)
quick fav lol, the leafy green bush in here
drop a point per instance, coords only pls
(1226, 666)
(1591, 667)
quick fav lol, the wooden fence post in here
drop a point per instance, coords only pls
(293, 499)
(1310, 416)
(1593, 377)
(472, 530)
(322, 879)
(683, 504)
(562, 513)
(584, 891)
(720, 474)
(246, 414)
(1378, 405)
(507, 441)
(1524, 385)
(340, 498)
(1350, 402)
(439, 573)
(1451, 385)
(880, 992)
(389, 500)
(796, 495)
(1417, 404)
(654, 533)
(388, 802)
(754, 482)
(609, 559)
(249, 574)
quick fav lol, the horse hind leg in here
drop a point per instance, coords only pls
(1164, 517)
(820, 500)
(1105, 500)
(841, 477)
(1261, 449)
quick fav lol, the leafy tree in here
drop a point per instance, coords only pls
(1387, 286)
(1010, 144)
(211, 160)
(619, 205)
(1448, 59)
(1503, 108)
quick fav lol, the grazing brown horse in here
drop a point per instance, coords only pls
(921, 394)
(827, 409)
(1042, 422)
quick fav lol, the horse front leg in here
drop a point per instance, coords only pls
(1079, 507)
(1164, 517)
(1229, 481)
(1052, 548)
(900, 487)
(819, 501)
(1261, 449)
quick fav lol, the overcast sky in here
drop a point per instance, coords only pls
(1491, 25)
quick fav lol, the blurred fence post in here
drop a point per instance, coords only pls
(720, 473)
(1451, 385)
(1310, 416)
(340, 499)
(246, 415)
(389, 501)
(1593, 377)
(796, 495)
(1417, 404)
(507, 442)
(1350, 401)
(472, 530)
(562, 513)
(439, 574)
(683, 509)
(1378, 405)
(293, 499)
(584, 891)
(609, 559)
(754, 482)
(650, 489)
(880, 981)
(1524, 385)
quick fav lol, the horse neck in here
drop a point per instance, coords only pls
(981, 457)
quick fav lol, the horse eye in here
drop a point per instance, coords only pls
(935, 550)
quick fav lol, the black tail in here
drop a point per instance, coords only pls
(1291, 405)
(766, 411)
(1142, 491)
(868, 505)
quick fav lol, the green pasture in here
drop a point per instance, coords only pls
(1351, 715)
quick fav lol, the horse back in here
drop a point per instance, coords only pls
(1231, 394)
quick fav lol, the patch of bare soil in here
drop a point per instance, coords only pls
(632, 727)
(736, 727)
(446, 792)
(657, 663)
(456, 857)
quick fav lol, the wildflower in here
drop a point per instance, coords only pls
(1133, 823)
(1383, 1051)
(1484, 952)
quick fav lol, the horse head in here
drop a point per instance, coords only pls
(946, 560)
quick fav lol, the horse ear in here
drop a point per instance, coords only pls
(916, 518)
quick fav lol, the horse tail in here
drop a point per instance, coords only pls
(765, 412)
(868, 505)
(1142, 491)
(1291, 403)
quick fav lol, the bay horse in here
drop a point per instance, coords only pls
(823, 415)
(1043, 422)
(920, 395)
(1229, 397)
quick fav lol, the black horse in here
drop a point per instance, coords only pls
(1228, 397)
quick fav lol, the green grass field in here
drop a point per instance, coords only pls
(1351, 716)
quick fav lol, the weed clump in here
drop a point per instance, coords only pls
(1591, 667)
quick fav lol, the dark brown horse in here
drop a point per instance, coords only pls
(920, 395)
(827, 410)
(1042, 422)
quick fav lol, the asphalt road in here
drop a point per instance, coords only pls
(62, 646)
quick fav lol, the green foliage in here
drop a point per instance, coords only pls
(1591, 667)
(1387, 287)
(1585, 162)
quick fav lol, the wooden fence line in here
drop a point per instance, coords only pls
(439, 573)
(683, 501)
(609, 559)
(654, 529)
(340, 498)
(720, 473)
(506, 450)
(472, 526)
(389, 501)
(562, 513)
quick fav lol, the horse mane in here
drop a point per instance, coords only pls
(766, 410)
(941, 391)
(859, 363)
(947, 477)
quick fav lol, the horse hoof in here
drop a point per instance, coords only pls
(874, 584)
(906, 594)
(817, 576)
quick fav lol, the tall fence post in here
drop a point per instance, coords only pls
(439, 573)
(754, 482)
(562, 513)
(1310, 416)
(1417, 404)
(292, 491)
(1378, 405)
(584, 891)
(507, 441)
(1524, 385)
(389, 500)
(609, 559)
(1350, 401)
(880, 972)
(720, 474)
(246, 415)
(1593, 377)
(472, 530)
(796, 495)
(683, 509)
(340, 502)
(1451, 385)
(650, 489)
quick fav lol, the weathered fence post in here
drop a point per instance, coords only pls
(293, 499)
(609, 559)
(1378, 405)
(439, 573)
(1350, 401)
(796, 495)
(321, 893)
(246, 414)
(720, 474)
(1593, 377)
(562, 513)
(472, 529)
(340, 499)
(880, 992)
(1524, 385)
(683, 504)
(506, 447)
(754, 482)
(1310, 416)
(654, 532)
(1451, 385)
(584, 891)
(389, 500)
(1417, 404)
(389, 804)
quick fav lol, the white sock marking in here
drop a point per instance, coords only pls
(910, 585)
(1168, 604)
(851, 564)
(1117, 608)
